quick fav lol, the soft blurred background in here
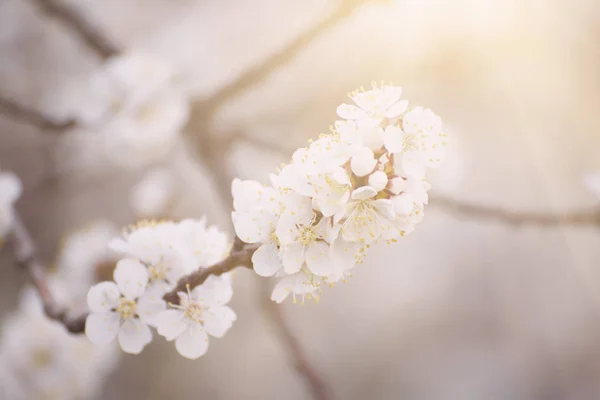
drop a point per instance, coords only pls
(463, 308)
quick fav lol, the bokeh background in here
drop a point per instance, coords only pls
(465, 307)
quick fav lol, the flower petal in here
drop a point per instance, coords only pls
(170, 324)
(363, 161)
(192, 343)
(318, 260)
(102, 328)
(216, 290)
(363, 193)
(348, 111)
(218, 320)
(11, 187)
(103, 297)
(131, 278)
(393, 139)
(378, 180)
(397, 109)
(149, 306)
(266, 260)
(134, 335)
(293, 258)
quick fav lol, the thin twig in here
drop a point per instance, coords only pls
(20, 113)
(590, 217)
(75, 21)
(25, 256)
(240, 256)
(318, 387)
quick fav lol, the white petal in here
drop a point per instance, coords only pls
(134, 335)
(287, 230)
(397, 109)
(266, 260)
(102, 328)
(384, 207)
(396, 185)
(131, 278)
(170, 324)
(344, 253)
(393, 139)
(246, 194)
(403, 204)
(348, 111)
(363, 161)
(148, 308)
(411, 163)
(293, 258)
(378, 180)
(192, 343)
(318, 259)
(103, 297)
(216, 290)
(255, 226)
(363, 193)
(10, 187)
(218, 320)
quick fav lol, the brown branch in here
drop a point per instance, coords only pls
(32, 117)
(241, 256)
(590, 217)
(25, 256)
(318, 387)
(75, 21)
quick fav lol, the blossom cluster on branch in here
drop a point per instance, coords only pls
(363, 183)
(156, 255)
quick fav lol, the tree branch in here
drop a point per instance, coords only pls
(75, 21)
(25, 256)
(241, 256)
(32, 117)
(318, 387)
(589, 217)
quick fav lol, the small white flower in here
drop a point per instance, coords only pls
(10, 191)
(159, 248)
(120, 309)
(257, 210)
(201, 312)
(376, 104)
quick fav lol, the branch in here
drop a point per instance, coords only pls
(319, 388)
(241, 256)
(32, 117)
(75, 21)
(25, 256)
(589, 217)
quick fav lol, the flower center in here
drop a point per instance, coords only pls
(157, 272)
(127, 308)
(308, 235)
(193, 312)
(411, 142)
(41, 358)
(274, 239)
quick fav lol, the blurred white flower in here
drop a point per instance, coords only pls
(151, 196)
(201, 312)
(83, 256)
(123, 309)
(39, 359)
(131, 108)
(10, 191)
(363, 183)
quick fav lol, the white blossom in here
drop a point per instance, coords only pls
(363, 183)
(201, 312)
(10, 191)
(39, 359)
(123, 309)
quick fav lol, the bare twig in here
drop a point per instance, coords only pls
(240, 256)
(590, 217)
(25, 256)
(75, 21)
(318, 387)
(18, 112)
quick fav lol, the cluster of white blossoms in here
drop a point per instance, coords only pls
(363, 183)
(131, 110)
(157, 255)
(10, 191)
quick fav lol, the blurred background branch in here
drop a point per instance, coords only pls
(35, 118)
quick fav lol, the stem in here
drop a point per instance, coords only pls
(81, 26)
(25, 256)
(32, 117)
